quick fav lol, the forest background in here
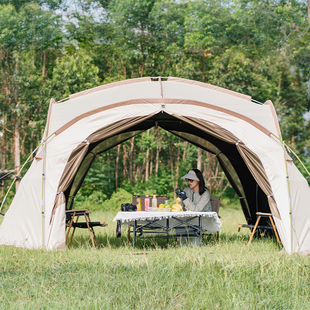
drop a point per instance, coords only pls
(53, 48)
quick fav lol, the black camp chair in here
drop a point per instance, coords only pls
(71, 214)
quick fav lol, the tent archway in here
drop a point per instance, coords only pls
(252, 197)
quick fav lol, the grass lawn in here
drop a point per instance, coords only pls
(224, 275)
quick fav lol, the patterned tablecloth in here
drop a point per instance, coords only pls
(210, 220)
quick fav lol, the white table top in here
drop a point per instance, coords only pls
(210, 220)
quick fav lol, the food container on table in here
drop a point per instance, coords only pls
(163, 209)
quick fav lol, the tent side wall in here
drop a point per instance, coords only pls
(22, 224)
(300, 198)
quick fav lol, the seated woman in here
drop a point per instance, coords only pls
(195, 197)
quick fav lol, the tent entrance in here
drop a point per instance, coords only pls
(242, 167)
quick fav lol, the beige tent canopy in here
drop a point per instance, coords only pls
(243, 134)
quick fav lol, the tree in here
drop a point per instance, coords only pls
(73, 73)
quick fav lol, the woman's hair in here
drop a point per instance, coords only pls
(202, 184)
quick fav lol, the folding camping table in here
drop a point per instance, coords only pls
(163, 224)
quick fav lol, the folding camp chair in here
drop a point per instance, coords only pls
(260, 215)
(257, 227)
(71, 214)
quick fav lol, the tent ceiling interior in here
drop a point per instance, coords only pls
(230, 160)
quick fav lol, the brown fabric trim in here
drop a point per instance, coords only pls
(79, 152)
(209, 86)
(275, 117)
(288, 157)
(39, 155)
(110, 85)
(68, 174)
(162, 101)
(257, 170)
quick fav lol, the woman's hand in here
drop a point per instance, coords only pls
(182, 195)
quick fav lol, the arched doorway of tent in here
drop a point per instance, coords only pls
(241, 166)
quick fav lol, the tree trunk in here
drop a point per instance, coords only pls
(171, 166)
(141, 71)
(4, 146)
(131, 159)
(138, 172)
(124, 68)
(16, 151)
(151, 162)
(177, 168)
(116, 166)
(147, 165)
(147, 160)
(309, 9)
(108, 164)
(199, 159)
(157, 160)
(44, 66)
(204, 174)
(125, 155)
(184, 152)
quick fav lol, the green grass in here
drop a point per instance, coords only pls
(224, 275)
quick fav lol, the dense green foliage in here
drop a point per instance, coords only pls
(54, 48)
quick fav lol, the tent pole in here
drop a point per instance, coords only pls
(288, 182)
(52, 101)
(289, 196)
(18, 174)
(43, 193)
(21, 169)
(288, 188)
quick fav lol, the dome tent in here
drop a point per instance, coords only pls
(245, 137)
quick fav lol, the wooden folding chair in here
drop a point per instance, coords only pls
(71, 214)
(260, 215)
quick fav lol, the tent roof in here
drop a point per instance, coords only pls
(172, 91)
